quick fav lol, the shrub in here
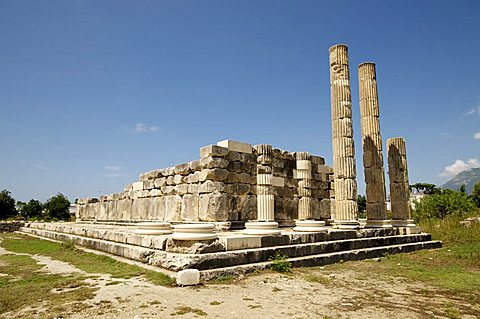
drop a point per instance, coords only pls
(280, 263)
(57, 207)
(443, 204)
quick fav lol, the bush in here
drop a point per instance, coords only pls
(7, 205)
(280, 263)
(443, 204)
(475, 196)
(57, 208)
(31, 209)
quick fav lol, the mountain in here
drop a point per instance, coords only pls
(469, 178)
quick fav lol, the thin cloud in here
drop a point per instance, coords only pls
(37, 166)
(112, 168)
(471, 112)
(142, 128)
(476, 136)
(459, 166)
(112, 175)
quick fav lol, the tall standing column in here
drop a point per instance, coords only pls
(265, 224)
(305, 220)
(372, 147)
(399, 190)
(346, 209)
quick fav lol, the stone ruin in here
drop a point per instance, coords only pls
(235, 207)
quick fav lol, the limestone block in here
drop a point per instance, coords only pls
(399, 192)
(182, 169)
(188, 277)
(233, 156)
(371, 125)
(245, 178)
(158, 207)
(304, 165)
(194, 188)
(192, 178)
(190, 207)
(372, 142)
(213, 150)
(235, 167)
(264, 169)
(214, 162)
(374, 175)
(236, 146)
(283, 191)
(195, 166)
(239, 189)
(376, 211)
(215, 174)
(124, 209)
(324, 210)
(249, 209)
(213, 207)
(178, 179)
(168, 190)
(148, 184)
(159, 182)
(181, 189)
(137, 186)
(317, 160)
(305, 183)
(372, 159)
(169, 171)
(169, 180)
(173, 207)
(211, 186)
(278, 181)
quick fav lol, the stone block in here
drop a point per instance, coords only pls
(194, 188)
(236, 146)
(317, 160)
(137, 186)
(213, 150)
(214, 162)
(173, 207)
(212, 186)
(215, 174)
(195, 166)
(188, 277)
(213, 207)
(177, 179)
(157, 210)
(182, 169)
(190, 207)
(159, 182)
(242, 242)
(278, 181)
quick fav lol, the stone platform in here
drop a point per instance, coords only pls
(233, 252)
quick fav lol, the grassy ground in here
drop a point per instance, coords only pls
(22, 284)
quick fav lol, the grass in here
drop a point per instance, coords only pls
(25, 286)
(280, 263)
(88, 262)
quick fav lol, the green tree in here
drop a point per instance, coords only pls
(442, 204)
(7, 205)
(463, 189)
(426, 188)
(362, 205)
(57, 207)
(475, 196)
(31, 209)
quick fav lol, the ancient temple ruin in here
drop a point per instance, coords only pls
(237, 205)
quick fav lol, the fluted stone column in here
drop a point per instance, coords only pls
(305, 220)
(346, 209)
(399, 190)
(265, 224)
(372, 147)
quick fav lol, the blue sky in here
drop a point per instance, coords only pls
(95, 92)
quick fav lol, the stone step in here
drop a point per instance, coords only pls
(178, 261)
(322, 259)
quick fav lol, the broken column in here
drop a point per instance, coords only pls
(265, 224)
(305, 220)
(399, 190)
(346, 209)
(372, 147)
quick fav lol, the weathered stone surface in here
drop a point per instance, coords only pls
(213, 207)
(236, 146)
(173, 207)
(182, 169)
(214, 162)
(188, 277)
(190, 207)
(212, 186)
(399, 190)
(215, 174)
(213, 150)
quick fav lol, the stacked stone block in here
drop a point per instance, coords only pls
(219, 187)
(346, 210)
(399, 187)
(372, 147)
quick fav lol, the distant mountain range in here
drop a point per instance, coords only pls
(468, 178)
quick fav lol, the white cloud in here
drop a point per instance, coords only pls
(112, 168)
(142, 128)
(471, 112)
(476, 136)
(459, 166)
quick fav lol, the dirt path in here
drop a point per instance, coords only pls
(321, 292)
